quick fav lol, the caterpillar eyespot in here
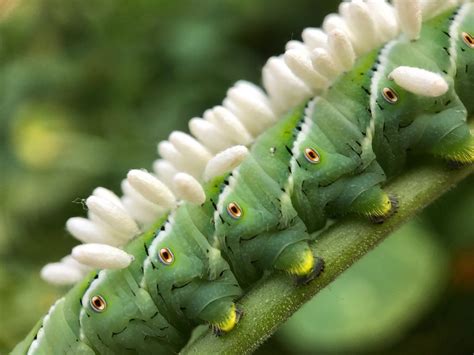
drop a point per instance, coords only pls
(312, 155)
(390, 95)
(166, 256)
(468, 39)
(98, 303)
(234, 210)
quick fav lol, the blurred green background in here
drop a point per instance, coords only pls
(89, 88)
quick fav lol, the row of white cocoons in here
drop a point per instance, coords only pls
(303, 71)
(113, 221)
(222, 134)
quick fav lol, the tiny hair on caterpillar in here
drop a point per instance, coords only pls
(338, 115)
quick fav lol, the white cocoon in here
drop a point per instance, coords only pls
(420, 81)
(151, 188)
(61, 274)
(112, 215)
(189, 189)
(409, 16)
(86, 231)
(225, 161)
(101, 256)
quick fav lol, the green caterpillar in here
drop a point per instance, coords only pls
(353, 101)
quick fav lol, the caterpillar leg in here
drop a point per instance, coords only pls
(299, 261)
(375, 204)
(457, 154)
(213, 303)
(222, 317)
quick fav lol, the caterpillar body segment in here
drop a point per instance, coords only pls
(119, 314)
(255, 221)
(329, 175)
(187, 278)
(435, 125)
(252, 208)
(109, 313)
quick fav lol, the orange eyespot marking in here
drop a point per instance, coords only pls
(312, 156)
(468, 39)
(234, 210)
(98, 303)
(390, 95)
(166, 256)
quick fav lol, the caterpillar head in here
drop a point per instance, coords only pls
(181, 266)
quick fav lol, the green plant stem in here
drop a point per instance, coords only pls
(276, 298)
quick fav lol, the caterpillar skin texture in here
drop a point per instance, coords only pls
(326, 157)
